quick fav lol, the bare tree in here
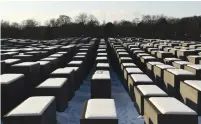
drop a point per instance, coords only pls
(92, 20)
(16, 25)
(30, 23)
(52, 23)
(172, 20)
(116, 23)
(125, 23)
(5, 24)
(136, 21)
(151, 26)
(81, 18)
(63, 20)
(146, 18)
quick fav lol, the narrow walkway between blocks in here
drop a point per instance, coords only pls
(126, 111)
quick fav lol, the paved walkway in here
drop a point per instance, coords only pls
(127, 113)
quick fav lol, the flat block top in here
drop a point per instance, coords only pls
(132, 45)
(84, 49)
(32, 106)
(182, 62)
(123, 53)
(135, 49)
(74, 68)
(8, 61)
(79, 56)
(194, 83)
(33, 52)
(23, 55)
(102, 45)
(185, 50)
(134, 70)
(101, 50)
(141, 78)
(49, 48)
(8, 78)
(128, 64)
(170, 105)
(172, 59)
(164, 66)
(101, 58)
(62, 52)
(151, 90)
(180, 72)
(152, 49)
(103, 54)
(10, 53)
(118, 47)
(75, 62)
(163, 52)
(56, 55)
(103, 65)
(101, 74)
(125, 58)
(101, 109)
(62, 71)
(196, 66)
(48, 59)
(148, 57)
(53, 83)
(194, 56)
(81, 53)
(69, 46)
(43, 62)
(26, 64)
(155, 63)
(120, 50)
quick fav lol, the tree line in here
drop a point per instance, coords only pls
(149, 26)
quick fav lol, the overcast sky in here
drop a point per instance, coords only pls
(108, 11)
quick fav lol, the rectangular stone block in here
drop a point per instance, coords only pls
(137, 79)
(168, 110)
(169, 61)
(194, 59)
(158, 74)
(99, 111)
(101, 84)
(190, 91)
(57, 87)
(172, 78)
(12, 91)
(196, 69)
(34, 110)
(143, 92)
(180, 64)
(68, 73)
(31, 71)
(103, 66)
